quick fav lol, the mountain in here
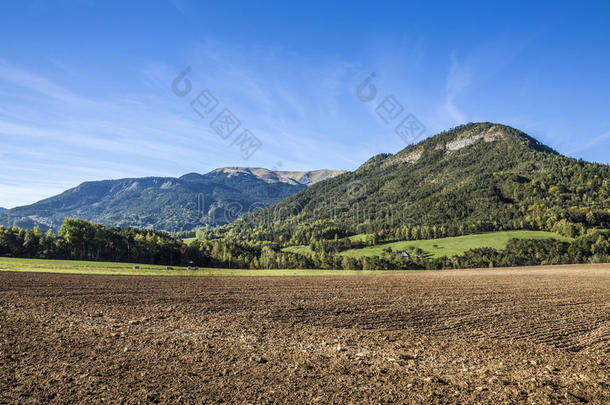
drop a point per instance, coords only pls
(307, 178)
(2, 209)
(474, 178)
(166, 203)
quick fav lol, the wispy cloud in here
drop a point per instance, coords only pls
(36, 84)
(588, 145)
(458, 80)
(154, 132)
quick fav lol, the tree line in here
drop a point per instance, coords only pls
(78, 239)
(82, 240)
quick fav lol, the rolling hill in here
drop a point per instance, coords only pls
(478, 177)
(166, 203)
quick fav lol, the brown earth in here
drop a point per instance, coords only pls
(527, 335)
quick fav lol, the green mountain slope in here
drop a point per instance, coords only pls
(165, 203)
(474, 178)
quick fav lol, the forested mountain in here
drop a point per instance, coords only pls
(474, 178)
(166, 203)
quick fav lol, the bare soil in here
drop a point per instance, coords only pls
(524, 335)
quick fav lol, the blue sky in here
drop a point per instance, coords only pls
(86, 86)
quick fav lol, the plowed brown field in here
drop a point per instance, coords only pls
(529, 335)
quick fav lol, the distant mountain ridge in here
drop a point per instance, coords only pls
(167, 203)
(307, 178)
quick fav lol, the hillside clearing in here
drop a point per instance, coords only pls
(454, 245)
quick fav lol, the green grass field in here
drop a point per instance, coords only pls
(301, 250)
(126, 269)
(188, 240)
(360, 237)
(454, 245)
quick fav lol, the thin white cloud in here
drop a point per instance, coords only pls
(67, 138)
(458, 80)
(587, 146)
(37, 84)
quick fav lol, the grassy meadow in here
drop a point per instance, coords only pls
(454, 245)
(126, 269)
